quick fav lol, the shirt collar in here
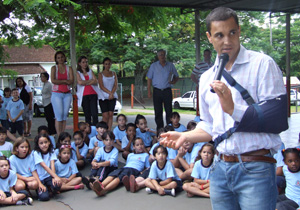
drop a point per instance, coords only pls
(242, 58)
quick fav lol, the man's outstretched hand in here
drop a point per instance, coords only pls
(172, 139)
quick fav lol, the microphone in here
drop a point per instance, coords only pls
(223, 59)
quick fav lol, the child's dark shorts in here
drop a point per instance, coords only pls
(121, 172)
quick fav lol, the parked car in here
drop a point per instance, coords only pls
(118, 108)
(187, 100)
(38, 107)
(294, 95)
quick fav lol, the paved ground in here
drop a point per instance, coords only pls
(120, 199)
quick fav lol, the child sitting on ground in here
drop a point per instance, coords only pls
(136, 162)
(291, 170)
(175, 118)
(6, 147)
(88, 131)
(120, 131)
(65, 138)
(96, 142)
(43, 129)
(44, 159)
(162, 177)
(104, 162)
(185, 160)
(204, 161)
(148, 135)
(8, 179)
(80, 148)
(22, 163)
(66, 169)
(127, 141)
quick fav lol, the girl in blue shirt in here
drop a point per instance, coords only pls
(200, 185)
(142, 131)
(175, 118)
(291, 171)
(120, 131)
(135, 164)
(80, 148)
(22, 163)
(8, 179)
(65, 138)
(44, 158)
(66, 170)
(162, 177)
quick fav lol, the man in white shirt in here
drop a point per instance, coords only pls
(243, 177)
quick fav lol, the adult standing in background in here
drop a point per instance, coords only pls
(108, 83)
(243, 174)
(26, 96)
(46, 99)
(199, 69)
(162, 74)
(87, 91)
(62, 79)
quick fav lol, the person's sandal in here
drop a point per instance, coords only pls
(125, 181)
(98, 188)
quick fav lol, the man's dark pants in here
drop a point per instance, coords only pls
(161, 97)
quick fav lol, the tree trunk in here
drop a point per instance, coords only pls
(139, 82)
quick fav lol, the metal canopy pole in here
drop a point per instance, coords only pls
(197, 35)
(73, 64)
(288, 60)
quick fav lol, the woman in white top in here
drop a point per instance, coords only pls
(46, 98)
(88, 91)
(108, 83)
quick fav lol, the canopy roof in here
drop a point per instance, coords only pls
(288, 6)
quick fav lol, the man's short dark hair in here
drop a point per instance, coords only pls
(207, 50)
(220, 14)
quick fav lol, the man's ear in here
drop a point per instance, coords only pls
(208, 36)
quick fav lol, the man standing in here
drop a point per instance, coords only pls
(199, 69)
(243, 175)
(162, 74)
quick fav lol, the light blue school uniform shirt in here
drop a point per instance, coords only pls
(146, 136)
(93, 132)
(7, 182)
(23, 166)
(125, 141)
(279, 157)
(172, 153)
(73, 155)
(292, 190)
(111, 156)
(160, 74)
(200, 171)
(93, 140)
(65, 170)
(83, 150)
(46, 158)
(191, 156)
(1, 154)
(52, 139)
(3, 113)
(137, 161)
(119, 134)
(168, 171)
(15, 107)
(6, 149)
(181, 128)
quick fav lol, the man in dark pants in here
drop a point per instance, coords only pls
(162, 75)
